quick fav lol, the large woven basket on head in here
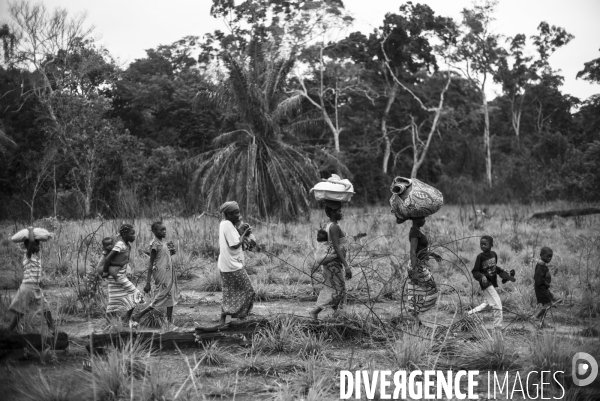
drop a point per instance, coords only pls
(412, 198)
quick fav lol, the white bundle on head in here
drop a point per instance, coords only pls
(39, 234)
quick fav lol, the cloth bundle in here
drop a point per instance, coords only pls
(412, 198)
(39, 234)
(334, 188)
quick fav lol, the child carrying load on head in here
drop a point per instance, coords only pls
(486, 272)
(30, 296)
(542, 279)
(161, 268)
(120, 289)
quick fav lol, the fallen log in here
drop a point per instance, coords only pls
(238, 333)
(13, 341)
(566, 213)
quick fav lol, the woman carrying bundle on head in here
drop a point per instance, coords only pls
(122, 294)
(238, 293)
(336, 270)
(161, 268)
(29, 295)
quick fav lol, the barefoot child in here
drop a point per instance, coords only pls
(29, 295)
(120, 289)
(161, 268)
(486, 271)
(542, 279)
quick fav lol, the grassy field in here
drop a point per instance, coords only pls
(290, 359)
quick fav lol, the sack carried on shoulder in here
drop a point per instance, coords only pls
(412, 198)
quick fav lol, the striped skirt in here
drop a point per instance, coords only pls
(238, 293)
(422, 291)
(121, 292)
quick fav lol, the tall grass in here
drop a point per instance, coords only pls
(113, 373)
(41, 388)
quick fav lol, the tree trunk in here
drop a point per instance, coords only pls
(486, 139)
(251, 180)
(387, 143)
(233, 333)
(419, 159)
(88, 197)
(55, 191)
(516, 116)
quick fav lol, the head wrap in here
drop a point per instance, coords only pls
(229, 207)
(489, 239)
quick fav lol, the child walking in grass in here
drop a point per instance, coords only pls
(542, 280)
(30, 296)
(161, 269)
(486, 272)
(120, 289)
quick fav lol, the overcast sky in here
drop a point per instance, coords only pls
(128, 27)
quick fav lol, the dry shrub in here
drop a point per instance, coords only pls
(153, 319)
(159, 383)
(278, 336)
(590, 305)
(315, 381)
(489, 353)
(312, 345)
(40, 388)
(111, 373)
(211, 281)
(69, 304)
(551, 352)
(213, 354)
(410, 351)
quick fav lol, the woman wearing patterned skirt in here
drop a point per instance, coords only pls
(122, 294)
(238, 293)
(422, 291)
(337, 271)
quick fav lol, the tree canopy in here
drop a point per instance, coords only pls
(286, 96)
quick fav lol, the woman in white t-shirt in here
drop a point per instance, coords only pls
(238, 293)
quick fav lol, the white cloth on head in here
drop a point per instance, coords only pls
(230, 259)
(39, 234)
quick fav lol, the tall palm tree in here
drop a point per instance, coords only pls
(252, 164)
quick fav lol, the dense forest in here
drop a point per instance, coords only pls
(259, 112)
